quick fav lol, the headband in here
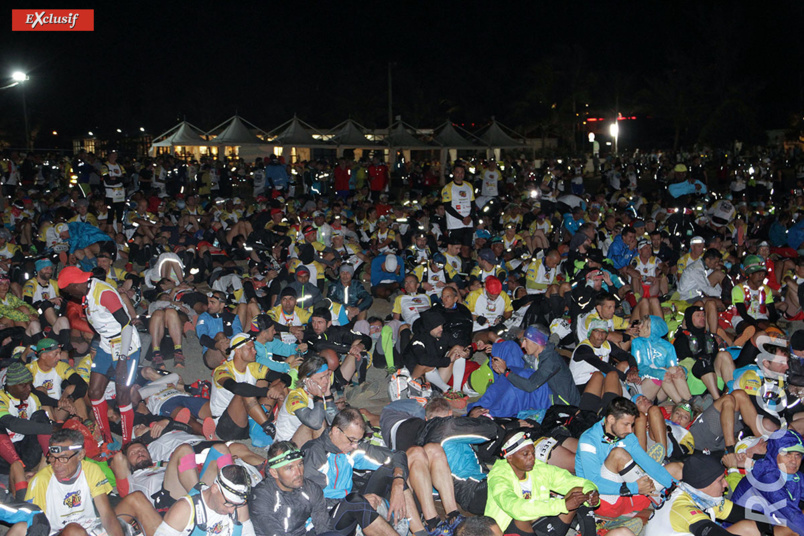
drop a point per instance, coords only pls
(517, 442)
(285, 458)
(234, 493)
(324, 368)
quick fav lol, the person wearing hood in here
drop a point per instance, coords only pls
(545, 366)
(698, 507)
(428, 354)
(658, 364)
(774, 485)
(694, 341)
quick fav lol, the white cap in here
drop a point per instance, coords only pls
(390, 263)
(697, 240)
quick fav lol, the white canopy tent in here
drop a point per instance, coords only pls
(350, 135)
(237, 135)
(451, 141)
(182, 135)
(299, 137)
(497, 137)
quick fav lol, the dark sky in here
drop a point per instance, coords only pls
(152, 63)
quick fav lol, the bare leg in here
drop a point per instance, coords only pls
(137, 506)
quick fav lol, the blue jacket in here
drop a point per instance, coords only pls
(83, 235)
(551, 370)
(209, 325)
(377, 273)
(619, 253)
(685, 188)
(500, 398)
(593, 449)
(571, 224)
(278, 174)
(774, 494)
(358, 295)
(654, 354)
(327, 466)
(265, 354)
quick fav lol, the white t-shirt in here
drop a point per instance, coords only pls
(490, 180)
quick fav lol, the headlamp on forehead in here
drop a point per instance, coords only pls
(517, 442)
(285, 458)
(58, 449)
(234, 494)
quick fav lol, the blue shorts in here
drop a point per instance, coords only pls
(103, 364)
(193, 403)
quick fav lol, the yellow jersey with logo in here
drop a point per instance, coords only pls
(68, 503)
(220, 398)
(22, 409)
(50, 382)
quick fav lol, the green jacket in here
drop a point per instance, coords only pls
(505, 501)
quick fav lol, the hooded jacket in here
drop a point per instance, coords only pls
(498, 397)
(424, 349)
(774, 493)
(693, 342)
(551, 369)
(653, 353)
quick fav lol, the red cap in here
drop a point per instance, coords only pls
(493, 285)
(71, 275)
(276, 211)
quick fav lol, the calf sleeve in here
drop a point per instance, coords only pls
(387, 345)
(127, 421)
(100, 409)
(7, 450)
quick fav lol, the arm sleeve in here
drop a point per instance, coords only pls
(619, 355)
(742, 310)
(708, 528)
(24, 426)
(80, 385)
(243, 389)
(452, 212)
(586, 354)
(773, 314)
(207, 341)
(312, 417)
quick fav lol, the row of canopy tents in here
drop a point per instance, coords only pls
(252, 141)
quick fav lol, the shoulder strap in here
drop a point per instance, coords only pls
(200, 511)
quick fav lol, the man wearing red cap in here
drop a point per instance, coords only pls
(490, 306)
(118, 351)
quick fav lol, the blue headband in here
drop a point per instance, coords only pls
(324, 368)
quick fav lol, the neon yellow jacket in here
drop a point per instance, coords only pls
(505, 501)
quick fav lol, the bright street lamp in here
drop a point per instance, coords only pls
(614, 130)
(19, 76)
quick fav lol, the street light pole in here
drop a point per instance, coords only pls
(20, 78)
(25, 115)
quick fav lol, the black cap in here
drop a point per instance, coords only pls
(701, 470)
(797, 341)
(288, 291)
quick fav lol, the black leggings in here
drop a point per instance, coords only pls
(115, 212)
(354, 509)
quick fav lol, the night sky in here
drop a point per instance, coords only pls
(151, 63)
